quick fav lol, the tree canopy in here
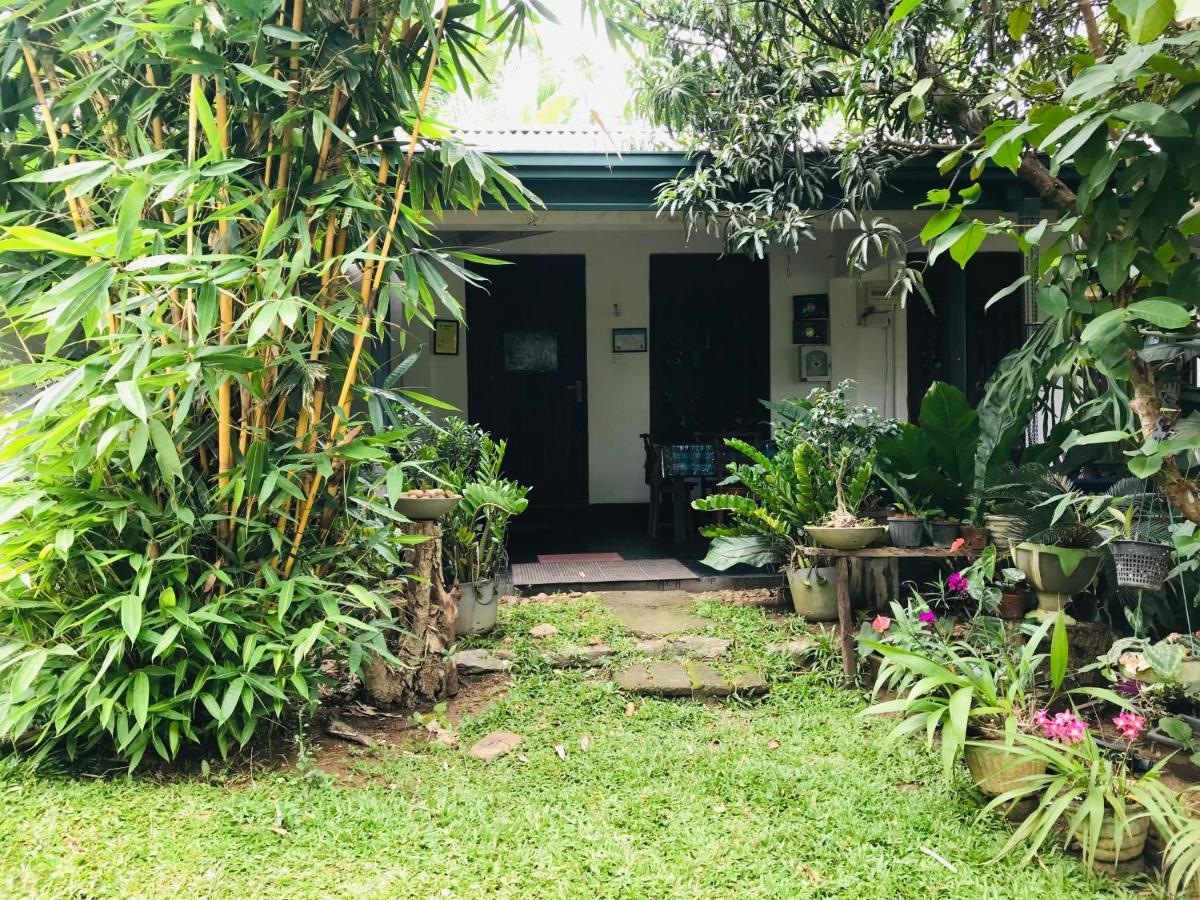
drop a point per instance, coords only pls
(797, 106)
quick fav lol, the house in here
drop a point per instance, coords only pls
(610, 323)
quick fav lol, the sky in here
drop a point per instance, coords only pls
(569, 76)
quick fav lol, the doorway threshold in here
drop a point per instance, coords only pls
(631, 574)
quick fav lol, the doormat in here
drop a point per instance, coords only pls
(524, 574)
(547, 558)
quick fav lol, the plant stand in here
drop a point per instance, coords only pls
(425, 613)
(846, 613)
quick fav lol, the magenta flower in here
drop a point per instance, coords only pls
(927, 617)
(881, 623)
(1131, 725)
(957, 582)
(1064, 726)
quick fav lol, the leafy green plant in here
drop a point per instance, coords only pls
(1083, 787)
(933, 460)
(784, 492)
(947, 686)
(207, 217)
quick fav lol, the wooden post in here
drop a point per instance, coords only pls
(845, 619)
(425, 613)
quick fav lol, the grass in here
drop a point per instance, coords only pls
(789, 797)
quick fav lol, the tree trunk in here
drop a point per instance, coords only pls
(425, 612)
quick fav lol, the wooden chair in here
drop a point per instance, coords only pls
(660, 489)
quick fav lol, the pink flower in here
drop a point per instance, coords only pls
(957, 545)
(957, 582)
(881, 623)
(926, 617)
(1131, 725)
(1064, 726)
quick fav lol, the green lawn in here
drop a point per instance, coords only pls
(791, 796)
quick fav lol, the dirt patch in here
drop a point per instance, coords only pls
(391, 732)
(767, 598)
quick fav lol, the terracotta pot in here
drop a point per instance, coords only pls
(997, 769)
(814, 593)
(975, 537)
(1012, 605)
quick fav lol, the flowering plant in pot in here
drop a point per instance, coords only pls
(1089, 795)
(979, 701)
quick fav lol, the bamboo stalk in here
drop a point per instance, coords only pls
(224, 389)
(368, 291)
(285, 158)
(48, 122)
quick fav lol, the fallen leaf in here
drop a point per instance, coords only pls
(631, 709)
(561, 751)
(812, 873)
(584, 743)
(773, 745)
(521, 757)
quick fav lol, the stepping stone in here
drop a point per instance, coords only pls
(797, 649)
(545, 630)
(700, 646)
(686, 645)
(481, 662)
(666, 678)
(653, 614)
(494, 745)
(579, 657)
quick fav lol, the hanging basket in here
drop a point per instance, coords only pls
(1141, 564)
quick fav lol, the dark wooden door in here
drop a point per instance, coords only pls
(527, 372)
(709, 335)
(959, 341)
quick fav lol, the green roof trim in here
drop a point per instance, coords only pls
(629, 181)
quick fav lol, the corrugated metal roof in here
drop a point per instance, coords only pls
(569, 139)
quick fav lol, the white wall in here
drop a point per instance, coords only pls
(618, 248)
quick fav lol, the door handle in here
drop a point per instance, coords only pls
(577, 387)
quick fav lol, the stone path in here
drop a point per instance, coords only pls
(671, 678)
(653, 614)
(677, 661)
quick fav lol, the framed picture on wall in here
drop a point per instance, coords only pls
(445, 337)
(810, 331)
(629, 340)
(810, 306)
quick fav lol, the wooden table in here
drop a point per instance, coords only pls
(843, 557)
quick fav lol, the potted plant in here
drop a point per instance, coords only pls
(468, 462)
(907, 527)
(980, 702)
(783, 492)
(842, 529)
(943, 528)
(1091, 796)
(973, 529)
(1139, 547)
